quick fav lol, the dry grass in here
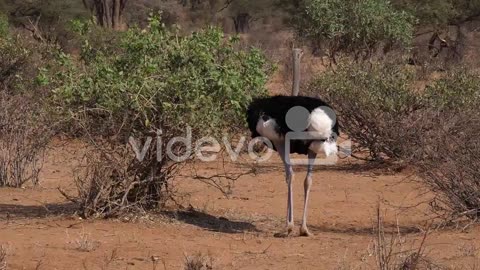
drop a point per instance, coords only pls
(198, 261)
(469, 250)
(391, 252)
(109, 259)
(85, 243)
(3, 258)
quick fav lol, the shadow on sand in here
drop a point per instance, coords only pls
(376, 168)
(189, 216)
(362, 230)
(210, 222)
(15, 211)
(197, 218)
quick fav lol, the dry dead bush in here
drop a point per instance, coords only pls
(448, 159)
(112, 181)
(198, 261)
(110, 258)
(391, 252)
(24, 135)
(24, 132)
(85, 243)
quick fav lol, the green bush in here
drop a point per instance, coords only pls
(151, 82)
(13, 63)
(3, 26)
(20, 61)
(457, 89)
(353, 26)
(440, 12)
(380, 108)
(200, 80)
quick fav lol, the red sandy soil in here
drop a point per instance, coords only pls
(40, 231)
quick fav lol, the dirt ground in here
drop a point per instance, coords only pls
(40, 231)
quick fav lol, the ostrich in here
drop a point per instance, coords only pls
(274, 118)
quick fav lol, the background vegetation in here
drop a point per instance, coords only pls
(401, 74)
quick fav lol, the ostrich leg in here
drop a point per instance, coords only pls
(307, 184)
(289, 178)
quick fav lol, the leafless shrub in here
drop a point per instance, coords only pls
(84, 242)
(110, 258)
(390, 251)
(115, 178)
(224, 176)
(24, 135)
(448, 162)
(24, 129)
(39, 265)
(3, 258)
(469, 250)
(112, 182)
(198, 261)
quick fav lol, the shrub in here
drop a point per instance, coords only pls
(448, 152)
(380, 109)
(357, 26)
(391, 252)
(25, 128)
(458, 89)
(13, 63)
(157, 74)
(24, 135)
(156, 83)
(3, 26)
(440, 13)
(435, 131)
(448, 162)
(20, 61)
(373, 105)
(45, 20)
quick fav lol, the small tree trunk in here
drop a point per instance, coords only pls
(242, 22)
(117, 16)
(195, 4)
(296, 3)
(297, 55)
(108, 13)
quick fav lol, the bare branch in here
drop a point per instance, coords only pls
(227, 4)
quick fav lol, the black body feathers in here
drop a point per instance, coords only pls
(276, 107)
